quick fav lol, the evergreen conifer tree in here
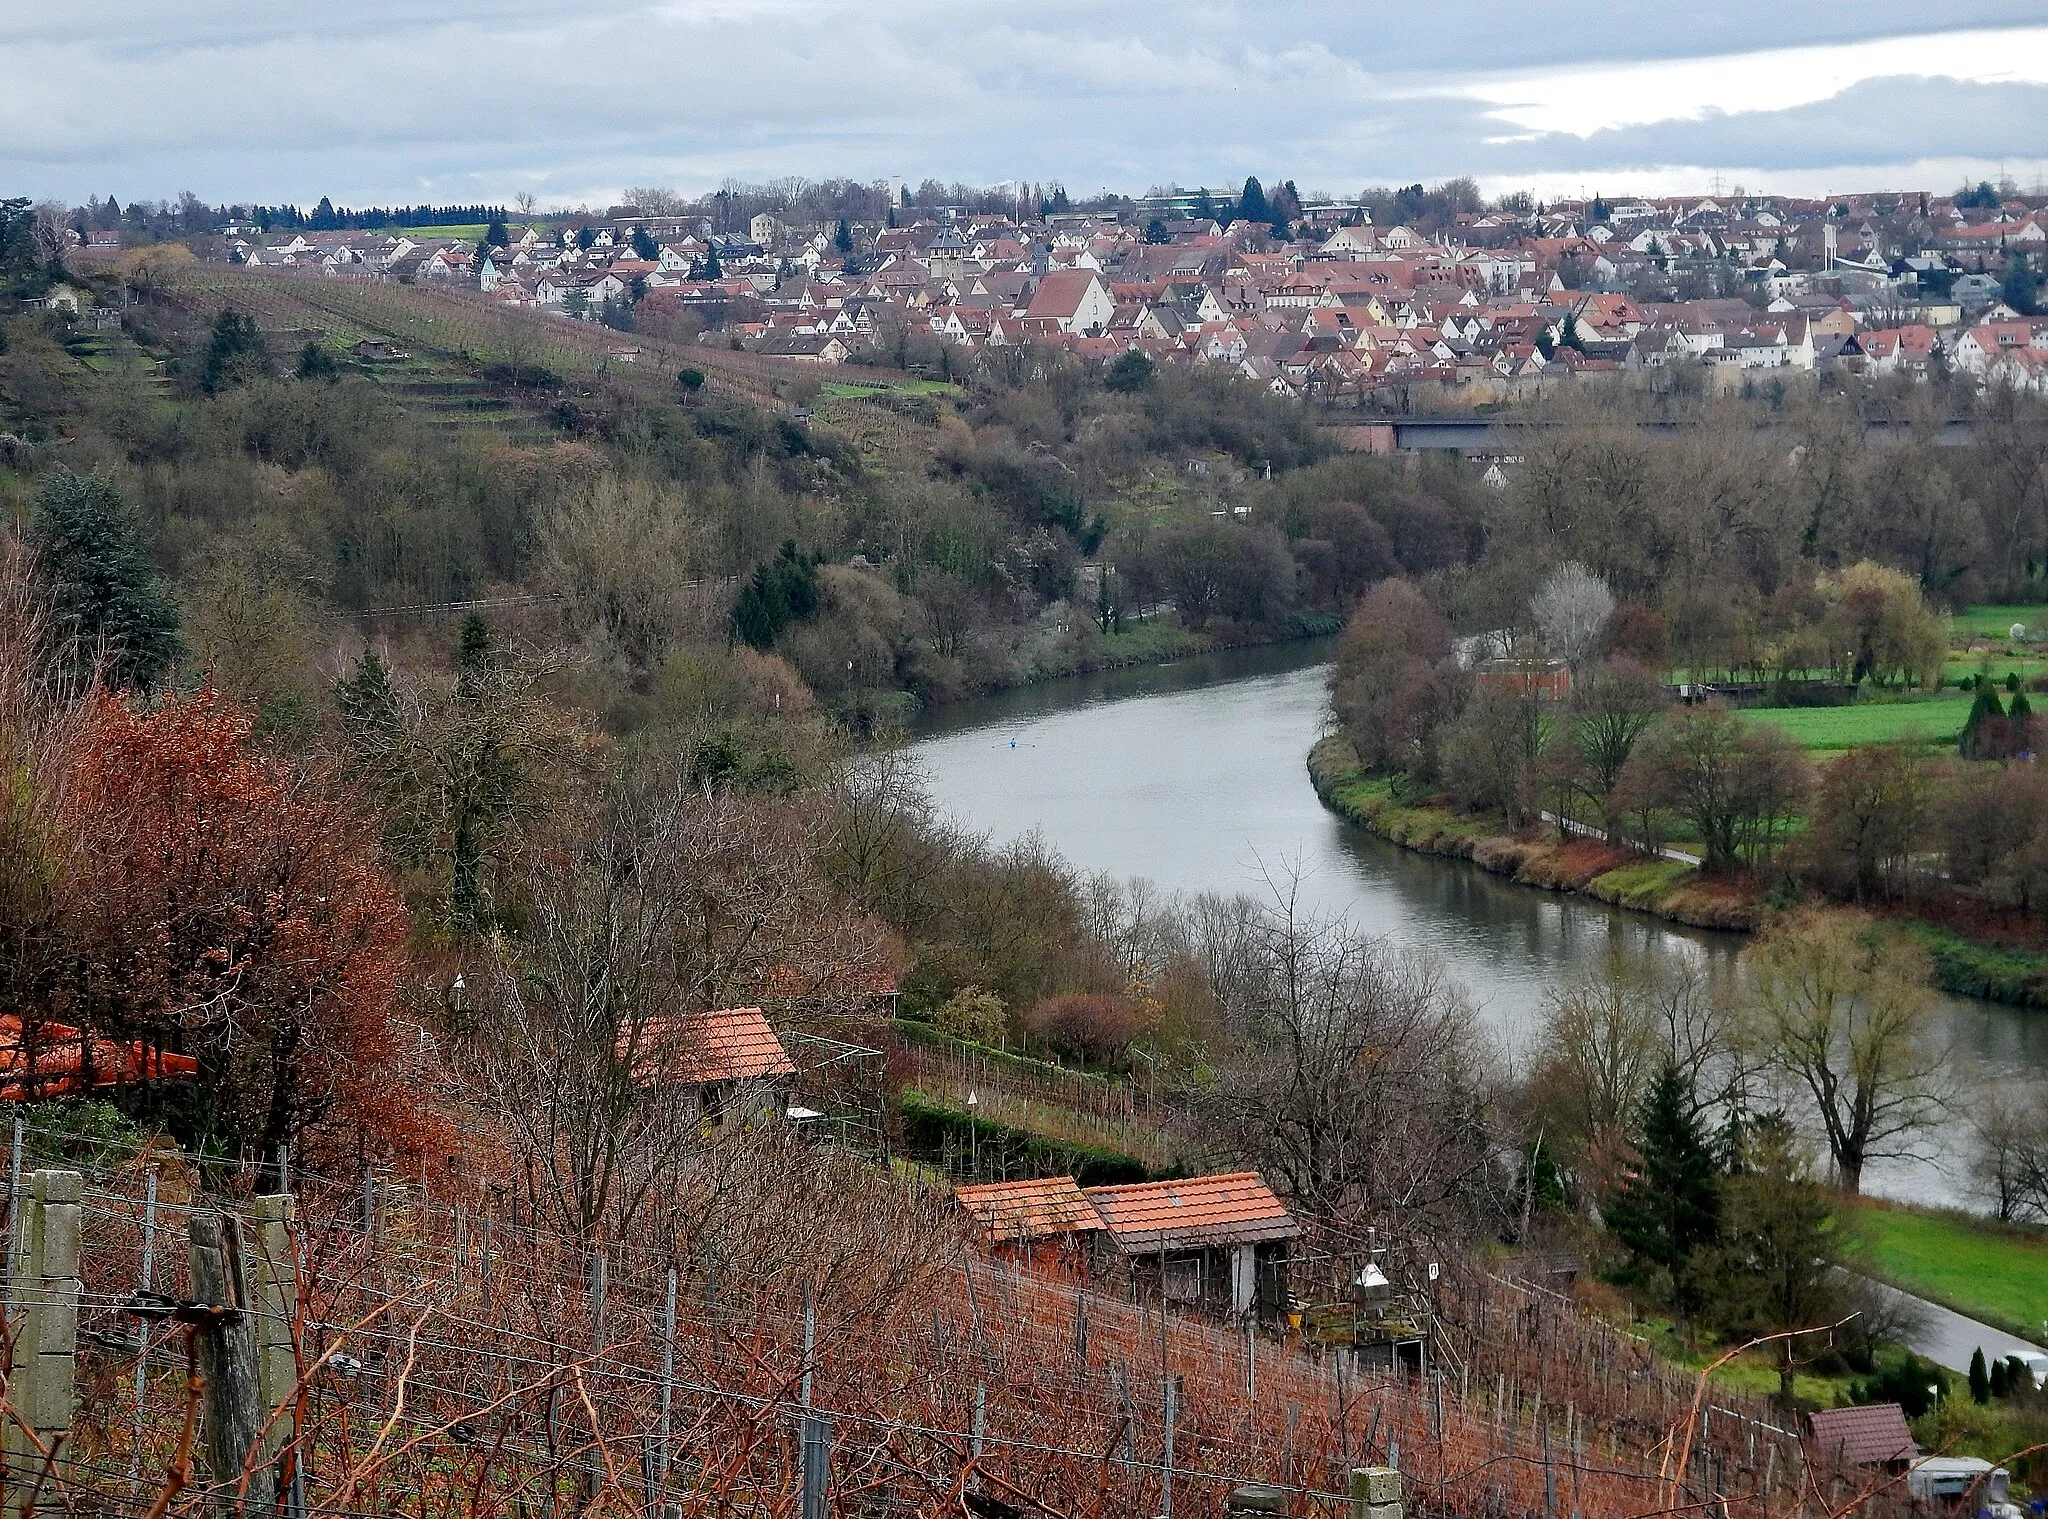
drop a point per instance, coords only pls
(105, 590)
(1667, 1210)
(1980, 1379)
(1983, 732)
(1779, 1269)
(1251, 205)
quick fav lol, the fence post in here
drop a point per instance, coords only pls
(229, 1363)
(44, 1286)
(277, 1320)
(142, 1325)
(1166, 1454)
(668, 1389)
(817, 1455)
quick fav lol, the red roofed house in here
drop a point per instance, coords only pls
(1076, 299)
(1872, 1434)
(1212, 1241)
(1048, 1222)
(731, 1058)
(40, 1060)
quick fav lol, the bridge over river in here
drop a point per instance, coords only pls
(1470, 434)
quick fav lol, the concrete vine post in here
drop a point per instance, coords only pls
(42, 1366)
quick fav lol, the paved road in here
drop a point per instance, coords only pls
(1948, 1338)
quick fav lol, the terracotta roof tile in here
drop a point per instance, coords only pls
(1233, 1209)
(1026, 1210)
(732, 1044)
(51, 1060)
(1869, 1435)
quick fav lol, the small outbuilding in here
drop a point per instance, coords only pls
(40, 1060)
(731, 1060)
(1868, 1434)
(1213, 1242)
(1047, 1223)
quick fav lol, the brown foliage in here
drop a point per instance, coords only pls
(1095, 1026)
(227, 904)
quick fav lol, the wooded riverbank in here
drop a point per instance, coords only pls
(1667, 889)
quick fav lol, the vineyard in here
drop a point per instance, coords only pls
(465, 328)
(769, 1347)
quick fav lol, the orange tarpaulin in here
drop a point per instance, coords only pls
(52, 1060)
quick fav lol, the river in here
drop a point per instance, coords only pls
(1193, 775)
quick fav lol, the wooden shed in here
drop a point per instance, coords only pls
(1047, 1223)
(1214, 1242)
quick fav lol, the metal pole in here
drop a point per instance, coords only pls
(13, 1215)
(1166, 1464)
(142, 1353)
(816, 1468)
(980, 1418)
(810, 1339)
(668, 1388)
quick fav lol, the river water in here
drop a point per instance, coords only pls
(1193, 775)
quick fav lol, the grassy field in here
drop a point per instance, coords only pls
(1938, 721)
(853, 389)
(1960, 667)
(1993, 622)
(1976, 1267)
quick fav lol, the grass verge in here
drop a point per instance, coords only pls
(1993, 1272)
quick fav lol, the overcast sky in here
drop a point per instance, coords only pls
(389, 101)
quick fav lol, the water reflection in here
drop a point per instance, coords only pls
(1192, 774)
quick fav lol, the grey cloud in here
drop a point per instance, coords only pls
(386, 100)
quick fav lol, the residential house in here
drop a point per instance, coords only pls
(1075, 300)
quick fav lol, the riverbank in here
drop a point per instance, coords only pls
(1668, 889)
(1156, 643)
(1964, 964)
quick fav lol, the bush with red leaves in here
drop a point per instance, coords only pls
(1093, 1026)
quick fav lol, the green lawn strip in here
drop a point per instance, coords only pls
(1992, 1272)
(1934, 720)
(934, 1126)
(1962, 667)
(1753, 1373)
(1994, 622)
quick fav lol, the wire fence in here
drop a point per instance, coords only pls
(454, 1357)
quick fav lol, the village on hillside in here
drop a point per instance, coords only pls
(1316, 300)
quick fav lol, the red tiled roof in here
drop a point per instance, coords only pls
(50, 1060)
(732, 1044)
(1026, 1210)
(1869, 1435)
(1233, 1209)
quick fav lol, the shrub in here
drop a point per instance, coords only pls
(1091, 1026)
(974, 1015)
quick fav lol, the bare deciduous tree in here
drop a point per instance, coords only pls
(1349, 1073)
(2010, 1167)
(1842, 1013)
(669, 903)
(1569, 609)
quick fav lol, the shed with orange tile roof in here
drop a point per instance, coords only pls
(730, 1057)
(1217, 1241)
(1022, 1211)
